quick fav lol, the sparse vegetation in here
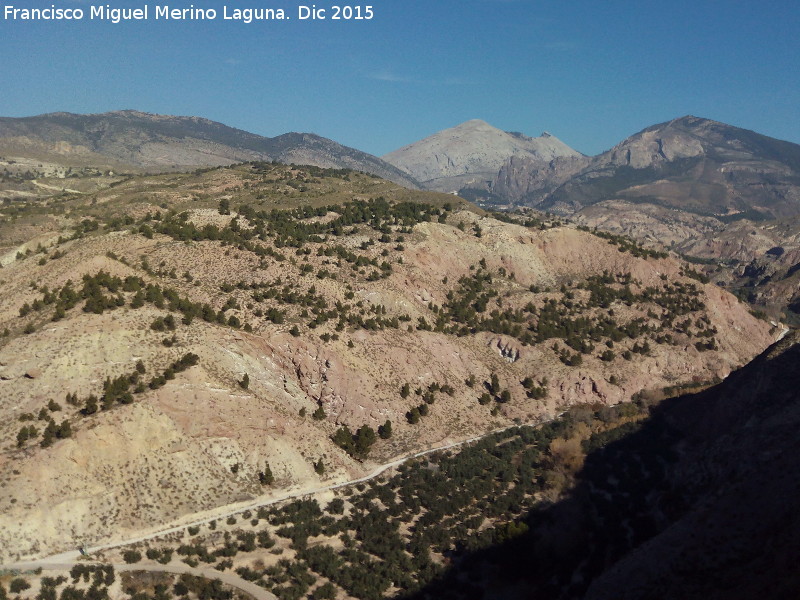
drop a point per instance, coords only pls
(332, 274)
(446, 500)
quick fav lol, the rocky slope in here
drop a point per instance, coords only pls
(760, 261)
(737, 533)
(757, 260)
(695, 165)
(471, 154)
(163, 142)
(705, 189)
(524, 180)
(329, 310)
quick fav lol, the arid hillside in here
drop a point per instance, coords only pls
(701, 188)
(133, 140)
(176, 343)
(757, 260)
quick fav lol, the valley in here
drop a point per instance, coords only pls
(149, 310)
(320, 383)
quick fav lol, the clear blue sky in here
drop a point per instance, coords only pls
(590, 72)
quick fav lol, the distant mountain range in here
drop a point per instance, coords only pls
(695, 165)
(726, 195)
(691, 164)
(160, 142)
(690, 183)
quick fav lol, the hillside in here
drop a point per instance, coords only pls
(167, 339)
(738, 532)
(132, 139)
(694, 165)
(723, 195)
(470, 154)
(696, 501)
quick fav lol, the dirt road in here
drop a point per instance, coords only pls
(68, 559)
(235, 509)
(227, 577)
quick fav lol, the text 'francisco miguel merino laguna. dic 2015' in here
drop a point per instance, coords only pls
(167, 13)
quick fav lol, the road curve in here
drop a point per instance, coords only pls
(226, 577)
(71, 556)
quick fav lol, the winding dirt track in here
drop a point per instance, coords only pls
(67, 560)
(56, 188)
(227, 577)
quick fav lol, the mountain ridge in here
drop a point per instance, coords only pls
(166, 142)
(690, 163)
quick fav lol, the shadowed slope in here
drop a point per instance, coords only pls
(698, 502)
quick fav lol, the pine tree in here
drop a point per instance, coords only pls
(385, 430)
(64, 430)
(413, 416)
(364, 438)
(90, 406)
(23, 436)
(344, 439)
(494, 386)
(49, 434)
(266, 477)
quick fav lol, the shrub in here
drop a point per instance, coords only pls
(18, 584)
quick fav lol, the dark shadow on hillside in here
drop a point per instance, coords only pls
(701, 501)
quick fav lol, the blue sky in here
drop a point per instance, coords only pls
(589, 72)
